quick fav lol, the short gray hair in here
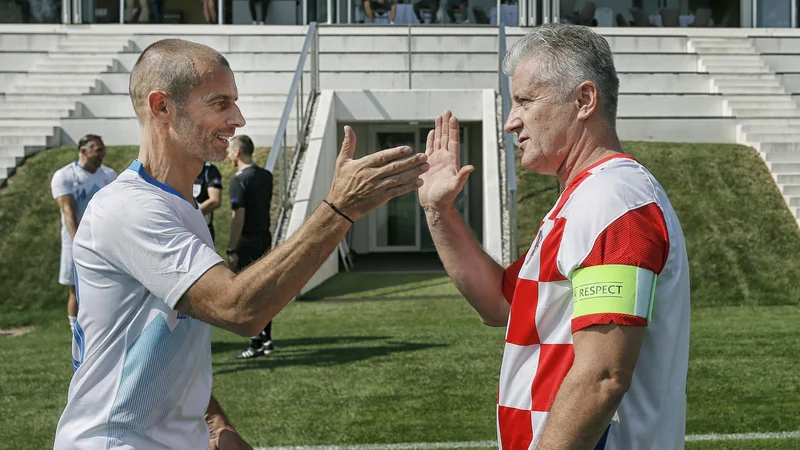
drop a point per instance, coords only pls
(570, 55)
(171, 66)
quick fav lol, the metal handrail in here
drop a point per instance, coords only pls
(311, 38)
(508, 140)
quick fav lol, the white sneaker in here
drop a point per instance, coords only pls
(255, 23)
(261, 23)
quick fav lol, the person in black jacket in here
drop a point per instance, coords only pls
(250, 237)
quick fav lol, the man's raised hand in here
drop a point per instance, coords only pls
(362, 185)
(446, 177)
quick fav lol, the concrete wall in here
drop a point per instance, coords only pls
(784, 63)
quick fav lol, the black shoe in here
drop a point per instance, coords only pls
(250, 352)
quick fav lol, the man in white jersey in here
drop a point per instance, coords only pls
(597, 310)
(72, 187)
(151, 285)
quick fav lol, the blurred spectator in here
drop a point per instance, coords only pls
(430, 6)
(264, 5)
(379, 8)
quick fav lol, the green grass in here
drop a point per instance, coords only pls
(742, 240)
(30, 224)
(417, 371)
(424, 368)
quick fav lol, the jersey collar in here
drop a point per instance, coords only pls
(137, 167)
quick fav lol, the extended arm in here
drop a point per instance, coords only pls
(212, 202)
(69, 208)
(245, 303)
(476, 275)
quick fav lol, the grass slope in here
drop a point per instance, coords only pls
(742, 240)
(30, 224)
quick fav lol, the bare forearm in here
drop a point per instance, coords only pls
(237, 224)
(208, 206)
(72, 224)
(215, 417)
(583, 408)
(268, 285)
(476, 275)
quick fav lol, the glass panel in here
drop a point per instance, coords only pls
(30, 11)
(439, 12)
(648, 13)
(774, 14)
(397, 219)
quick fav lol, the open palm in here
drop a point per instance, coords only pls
(446, 178)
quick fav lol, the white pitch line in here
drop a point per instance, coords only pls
(483, 444)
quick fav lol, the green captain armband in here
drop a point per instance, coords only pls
(613, 289)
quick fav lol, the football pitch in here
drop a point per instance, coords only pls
(411, 363)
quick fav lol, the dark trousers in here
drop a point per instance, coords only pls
(248, 250)
(264, 5)
(429, 5)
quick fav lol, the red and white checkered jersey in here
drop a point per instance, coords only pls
(614, 214)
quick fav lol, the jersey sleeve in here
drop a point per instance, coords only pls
(60, 185)
(214, 177)
(150, 244)
(510, 276)
(614, 252)
(237, 193)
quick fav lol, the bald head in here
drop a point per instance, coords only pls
(173, 66)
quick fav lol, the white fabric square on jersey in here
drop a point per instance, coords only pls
(538, 421)
(530, 269)
(554, 312)
(516, 375)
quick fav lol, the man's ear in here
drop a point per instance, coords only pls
(159, 105)
(587, 100)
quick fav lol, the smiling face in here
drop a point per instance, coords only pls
(209, 116)
(546, 123)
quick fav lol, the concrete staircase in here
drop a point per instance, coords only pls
(31, 110)
(767, 118)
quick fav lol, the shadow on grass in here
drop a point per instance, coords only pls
(363, 285)
(288, 355)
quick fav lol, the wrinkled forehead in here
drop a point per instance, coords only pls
(213, 78)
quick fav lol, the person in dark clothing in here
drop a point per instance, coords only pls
(207, 192)
(264, 5)
(250, 237)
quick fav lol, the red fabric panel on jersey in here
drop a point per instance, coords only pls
(581, 176)
(510, 276)
(555, 361)
(548, 267)
(522, 326)
(639, 238)
(516, 429)
(606, 318)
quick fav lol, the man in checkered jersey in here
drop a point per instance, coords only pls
(597, 310)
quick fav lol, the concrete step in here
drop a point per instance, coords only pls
(19, 151)
(732, 60)
(768, 129)
(712, 68)
(91, 46)
(64, 82)
(791, 190)
(747, 76)
(772, 122)
(749, 112)
(24, 140)
(751, 90)
(5, 174)
(62, 77)
(703, 50)
(780, 147)
(99, 57)
(783, 157)
(787, 137)
(779, 168)
(740, 82)
(761, 104)
(35, 114)
(788, 178)
(38, 105)
(14, 131)
(51, 90)
(73, 68)
(11, 162)
(33, 98)
(721, 43)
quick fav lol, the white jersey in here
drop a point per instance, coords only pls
(610, 250)
(78, 182)
(142, 370)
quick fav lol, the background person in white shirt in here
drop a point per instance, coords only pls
(150, 282)
(73, 186)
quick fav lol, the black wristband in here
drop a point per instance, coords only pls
(337, 210)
